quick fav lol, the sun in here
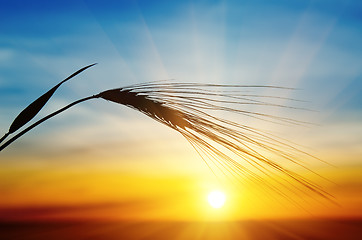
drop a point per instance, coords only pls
(216, 199)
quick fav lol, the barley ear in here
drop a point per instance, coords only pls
(30, 111)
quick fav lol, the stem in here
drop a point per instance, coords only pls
(5, 136)
(42, 120)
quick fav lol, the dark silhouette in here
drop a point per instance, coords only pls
(233, 149)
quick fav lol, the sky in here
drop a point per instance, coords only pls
(102, 160)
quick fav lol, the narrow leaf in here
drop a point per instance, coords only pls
(30, 111)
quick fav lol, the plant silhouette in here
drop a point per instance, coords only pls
(236, 150)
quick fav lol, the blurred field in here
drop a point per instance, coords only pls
(273, 229)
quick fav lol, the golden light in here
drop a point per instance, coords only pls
(216, 199)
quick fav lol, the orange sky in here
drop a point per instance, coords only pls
(169, 185)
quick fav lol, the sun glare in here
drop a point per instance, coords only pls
(216, 199)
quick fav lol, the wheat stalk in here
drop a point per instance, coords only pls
(226, 146)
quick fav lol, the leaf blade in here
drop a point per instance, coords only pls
(33, 108)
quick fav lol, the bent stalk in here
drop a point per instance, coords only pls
(11, 140)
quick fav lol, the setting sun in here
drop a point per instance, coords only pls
(216, 199)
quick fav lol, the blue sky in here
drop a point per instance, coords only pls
(312, 45)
